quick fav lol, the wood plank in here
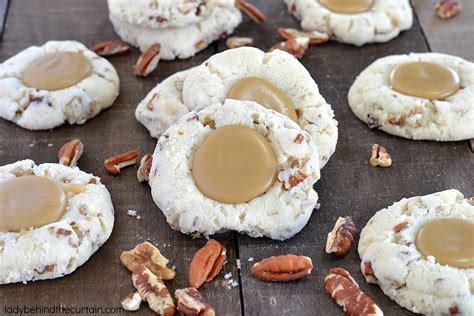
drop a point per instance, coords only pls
(3, 15)
(102, 281)
(453, 36)
(349, 185)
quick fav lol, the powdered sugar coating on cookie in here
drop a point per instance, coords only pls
(163, 105)
(279, 213)
(373, 101)
(41, 109)
(58, 248)
(383, 22)
(180, 42)
(418, 283)
(164, 13)
(210, 83)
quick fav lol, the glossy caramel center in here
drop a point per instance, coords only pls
(30, 201)
(425, 80)
(57, 71)
(449, 240)
(265, 93)
(347, 6)
(234, 164)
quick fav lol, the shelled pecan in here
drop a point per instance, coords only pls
(147, 255)
(143, 173)
(148, 61)
(113, 164)
(282, 268)
(153, 290)
(345, 291)
(234, 42)
(294, 46)
(252, 12)
(206, 263)
(110, 48)
(191, 302)
(446, 9)
(340, 239)
(380, 156)
(70, 153)
(314, 37)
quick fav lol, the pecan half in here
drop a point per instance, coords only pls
(234, 42)
(446, 9)
(110, 48)
(143, 173)
(153, 290)
(70, 153)
(380, 156)
(282, 268)
(147, 255)
(113, 164)
(295, 46)
(252, 12)
(314, 37)
(131, 302)
(191, 302)
(206, 263)
(341, 237)
(148, 61)
(345, 291)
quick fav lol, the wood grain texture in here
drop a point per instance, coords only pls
(349, 185)
(102, 281)
(453, 36)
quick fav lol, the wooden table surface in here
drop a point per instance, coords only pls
(349, 185)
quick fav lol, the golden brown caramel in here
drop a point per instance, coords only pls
(425, 80)
(347, 6)
(234, 164)
(265, 93)
(30, 201)
(57, 71)
(449, 240)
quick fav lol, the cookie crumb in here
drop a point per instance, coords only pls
(239, 264)
(134, 214)
(228, 276)
(250, 259)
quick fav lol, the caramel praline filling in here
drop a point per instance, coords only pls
(347, 6)
(425, 80)
(30, 201)
(449, 240)
(264, 93)
(57, 71)
(234, 164)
